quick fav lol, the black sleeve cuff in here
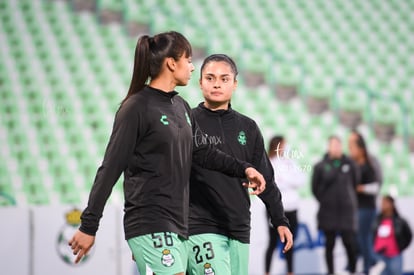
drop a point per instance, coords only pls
(244, 166)
(281, 222)
(86, 230)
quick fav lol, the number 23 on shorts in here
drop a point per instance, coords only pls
(208, 255)
(201, 255)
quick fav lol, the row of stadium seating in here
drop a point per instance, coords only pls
(63, 75)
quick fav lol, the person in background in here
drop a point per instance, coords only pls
(334, 180)
(367, 191)
(289, 178)
(392, 235)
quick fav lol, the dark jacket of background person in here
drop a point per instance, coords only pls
(333, 185)
(402, 231)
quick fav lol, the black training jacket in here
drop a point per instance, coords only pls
(219, 203)
(333, 184)
(152, 145)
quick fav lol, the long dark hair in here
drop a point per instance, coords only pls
(391, 200)
(150, 54)
(360, 142)
(220, 58)
(274, 145)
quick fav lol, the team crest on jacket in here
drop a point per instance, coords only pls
(167, 258)
(164, 120)
(208, 270)
(242, 138)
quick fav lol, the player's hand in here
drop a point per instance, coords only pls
(256, 181)
(81, 243)
(286, 237)
(360, 188)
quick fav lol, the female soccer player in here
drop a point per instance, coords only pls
(219, 206)
(152, 145)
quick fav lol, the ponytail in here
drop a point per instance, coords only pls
(141, 71)
(150, 54)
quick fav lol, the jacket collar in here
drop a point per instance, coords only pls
(327, 159)
(220, 113)
(160, 93)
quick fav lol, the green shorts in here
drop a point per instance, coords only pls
(239, 257)
(164, 253)
(216, 254)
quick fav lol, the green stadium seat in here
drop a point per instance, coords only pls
(257, 62)
(318, 93)
(351, 98)
(137, 12)
(67, 191)
(385, 113)
(285, 73)
(112, 5)
(37, 194)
